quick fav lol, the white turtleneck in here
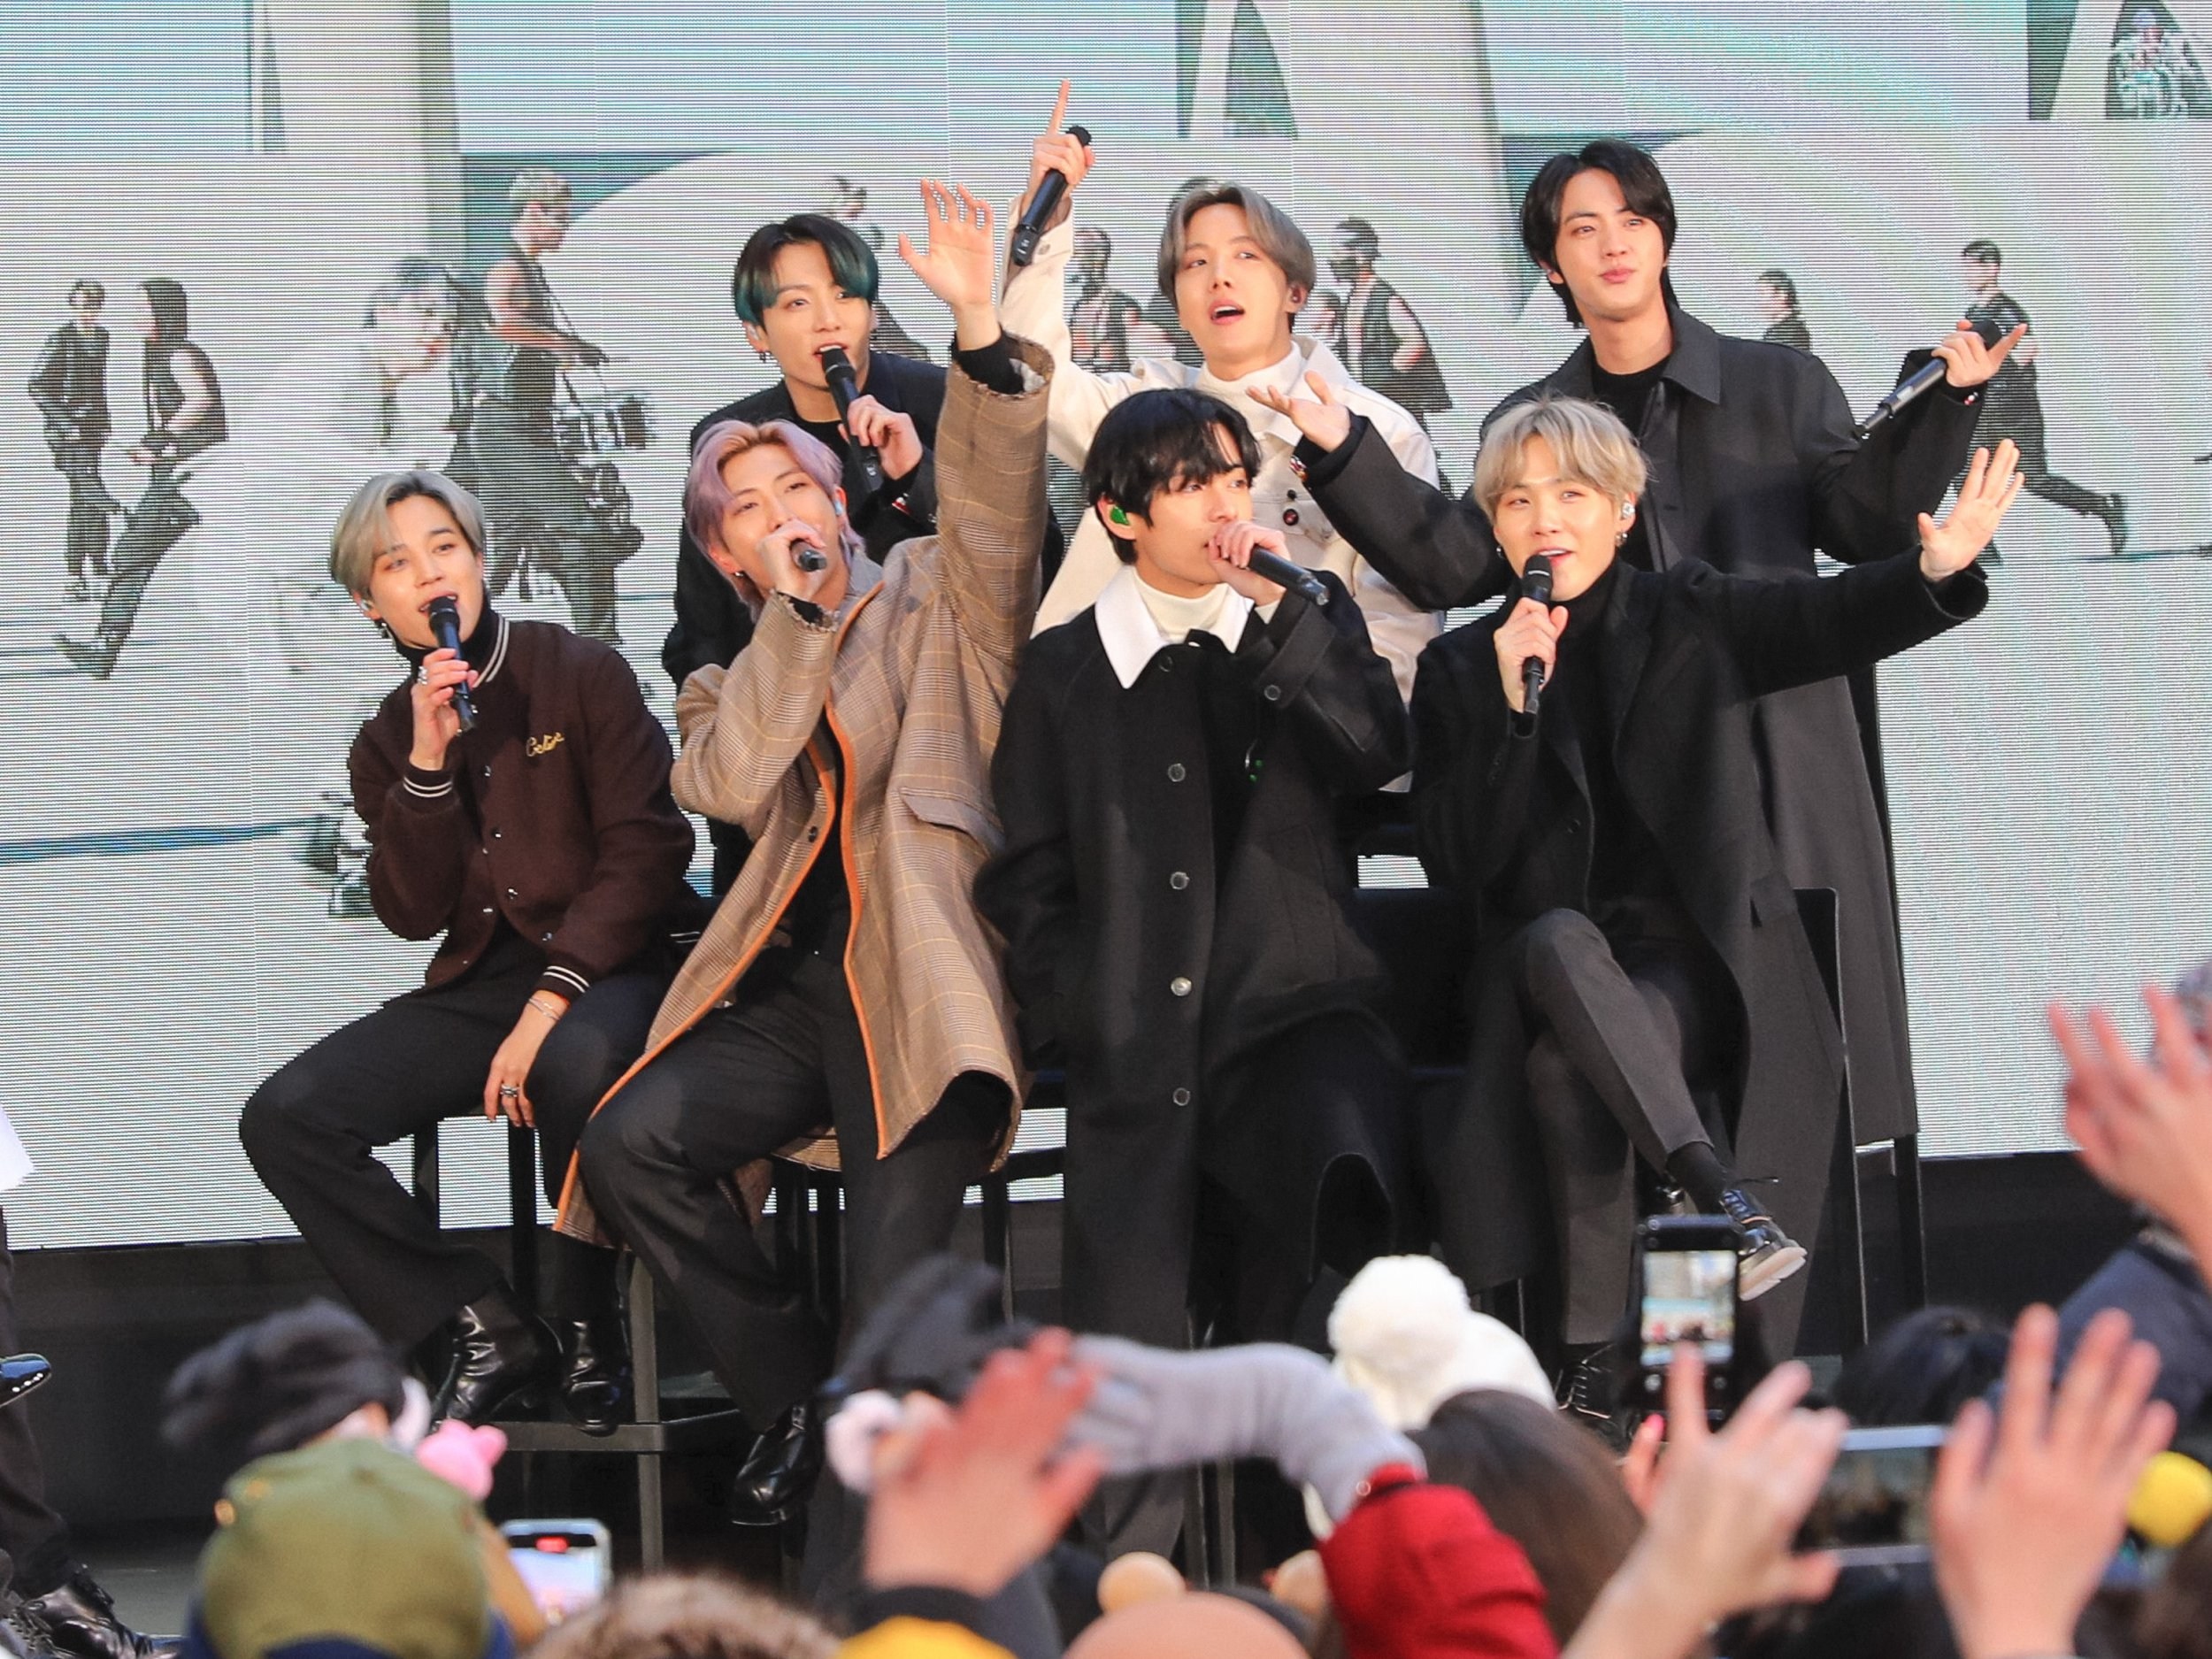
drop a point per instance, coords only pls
(1178, 618)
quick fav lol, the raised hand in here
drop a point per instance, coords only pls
(1967, 361)
(2028, 1505)
(1230, 550)
(1320, 419)
(1531, 630)
(1055, 150)
(956, 264)
(1993, 484)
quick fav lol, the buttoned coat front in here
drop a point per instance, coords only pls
(910, 678)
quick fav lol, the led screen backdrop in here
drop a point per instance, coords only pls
(178, 884)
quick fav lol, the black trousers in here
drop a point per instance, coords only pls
(85, 539)
(422, 1058)
(1620, 1025)
(782, 1060)
(158, 524)
(34, 1538)
(530, 494)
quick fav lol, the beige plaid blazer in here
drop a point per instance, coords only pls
(912, 675)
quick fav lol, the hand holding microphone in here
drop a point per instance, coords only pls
(1251, 551)
(445, 627)
(1528, 642)
(1056, 164)
(844, 384)
(1965, 358)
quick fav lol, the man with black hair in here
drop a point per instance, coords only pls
(1174, 907)
(2014, 408)
(1786, 318)
(1387, 347)
(1754, 468)
(70, 386)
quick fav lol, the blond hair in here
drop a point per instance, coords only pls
(363, 532)
(687, 1616)
(1586, 438)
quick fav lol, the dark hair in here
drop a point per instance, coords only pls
(172, 312)
(413, 277)
(1158, 439)
(276, 1384)
(89, 288)
(1924, 1368)
(851, 261)
(2175, 1619)
(1643, 187)
(1545, 1483)
(1981, 251)
(1361, 235)
(1781, 282)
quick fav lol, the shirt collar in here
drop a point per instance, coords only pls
(1286, 374)
(1132, 639)
(1694, 364)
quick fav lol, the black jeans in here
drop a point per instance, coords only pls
(34, 1538)
(1620, 1025)
(158, 524)
(85, 541)
(782, 1060)
(421, 1057)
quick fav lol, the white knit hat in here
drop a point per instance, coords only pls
(1406, 1337)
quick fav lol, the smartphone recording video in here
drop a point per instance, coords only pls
(1873, 1509)
(1687, 1266)
(565, 1565)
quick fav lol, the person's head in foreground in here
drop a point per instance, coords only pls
(805, 283)
(1560, 476)
(405, 540)
(688, 1616)
(1167, 471)
(756, 496)
(284, 1381)
(1600, 224)
(1239, 271)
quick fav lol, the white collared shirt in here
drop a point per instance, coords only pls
(1136, 621)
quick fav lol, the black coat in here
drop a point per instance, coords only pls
(1752, 467)
(1504, 819)
(69, 383)
(1105, 797)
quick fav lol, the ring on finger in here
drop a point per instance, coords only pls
(507, 1091)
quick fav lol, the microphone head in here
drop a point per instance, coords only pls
(445, 612)
(1536, 579)
(835, 361)
(1080, 134)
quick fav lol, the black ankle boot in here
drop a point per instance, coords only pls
(97, 658)
(499, 1354)
(779, 1471)
(595, 1372)
(81, 1619)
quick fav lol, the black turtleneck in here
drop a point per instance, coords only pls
(476, 650)
(1627, 863)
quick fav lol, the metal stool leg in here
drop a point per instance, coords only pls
(522, 1207)
(645, 1372)
(1912, 1226)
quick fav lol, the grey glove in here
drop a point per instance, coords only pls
(1156, 1410)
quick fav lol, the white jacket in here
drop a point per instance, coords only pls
(1032, 306)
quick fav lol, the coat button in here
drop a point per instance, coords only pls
(513, 894)
(1167, 665)
(814, 831)
(496, 835)
(1179, 880)
(1175, 772)
(1179, 986)
(488, 772)
(1182, 1097)
(488, 910)
(1273, 693)
(545, 939)
(1290, 515)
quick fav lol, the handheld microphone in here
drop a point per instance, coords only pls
(844, 386)
(1904, 392)
(1030, 228)
(1535, 584)
(1284, 574)
(445, 627)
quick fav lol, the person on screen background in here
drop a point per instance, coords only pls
(848, 206)
(1636, 940)
(514, 451)
(2014, 408)
(543, 852)
(185, 418)
(1106, 327)
(1238, 271)
(1753, 468)
(846, 981)
(1785, 319)
(1385, 345)
(69, 385)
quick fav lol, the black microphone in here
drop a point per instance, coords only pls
(1535, 584)
(1284, 574)
(844, 386)
(1030, 228)
(1907, 389)
(445, 627)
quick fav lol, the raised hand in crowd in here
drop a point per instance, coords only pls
(1993, 484)
(956, 263)
(1721, 1512)
(1055, 149)
(965, 1498)
(2144, 1127)
(2030, 1501)
(1320, 419)
(1968, 360)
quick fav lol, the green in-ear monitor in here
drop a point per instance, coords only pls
(1117, 515)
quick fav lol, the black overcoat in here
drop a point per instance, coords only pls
(1505, 822)
(1753, 468)
(1103, 792)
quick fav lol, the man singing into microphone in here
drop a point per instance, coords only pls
(1638, 941)
(1174, 904)
(1238, 271)
(846, 1005)
(1753, 468)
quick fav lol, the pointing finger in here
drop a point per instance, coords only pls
(1059, 109)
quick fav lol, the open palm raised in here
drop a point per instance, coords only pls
(1993, 484)
(956, 264)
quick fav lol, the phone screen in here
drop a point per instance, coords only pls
(1873, 1508)
(1689, 1296)
(564, 1565)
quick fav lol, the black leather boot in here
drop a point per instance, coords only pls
(19, 1373)
(80, 1618)
(595, 1372)
(779, 1471)
(500, 1354)
(97, 658)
